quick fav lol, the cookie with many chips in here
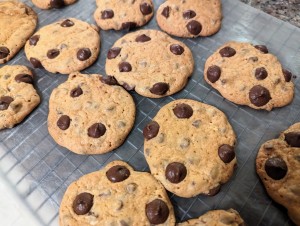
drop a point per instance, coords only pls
(50, 4)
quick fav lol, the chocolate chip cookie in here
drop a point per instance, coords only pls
(18, 96)
(123, 15)
(216, 218)
(17, 23)
(249, 75)
(90, 114)
(189, 147)
(50, 4)
(151, 62)
(116, 195)
(190, 18)
(66, 46)
(278, 166)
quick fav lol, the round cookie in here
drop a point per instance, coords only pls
(50, 4)
(151, 62)
(66, 46)
(18, 96)
(116, 195)
(216, 218)
(90, 114)
(190, 18)
(120, 15)
(278, 166)
(249, 75)
(189, 147)
(17, 22)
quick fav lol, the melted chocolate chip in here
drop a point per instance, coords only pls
(175, 172)
(151, 130)
(259, 95)
(183, 111)
(261, 73)
(157, 211)
(127, 86)
(213, 73)
(287, 75)
(128, 26)
(142, 38)
(160, 88)
(293, 139)
(226, 153)
(188, 14)
(57, 3)
(109, 80)
(63, 122)
(5, 102)
(117, 173)
(107, 14)
(67, 23)
(113, 53)
(125, 67)
(34, 40)
(146, 9)
(24, 78)
(35, 63)
(84, 54)
(262, 48)
(214, 191)
(76, 92)
(276, 168)
(194, 27)
(83, 203)
(166, 12)
(176, 49)
(227, 52)
(96, 130)
(4, 52)
(53, 53)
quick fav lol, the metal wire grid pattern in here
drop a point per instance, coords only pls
(40, 170)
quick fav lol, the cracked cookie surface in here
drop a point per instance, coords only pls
(50, 4)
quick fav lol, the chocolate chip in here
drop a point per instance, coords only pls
(142, 38)
(261, 73)
(35, 63)
(125, 67)
(262, 48)
(63, 122)
(107, 14)
(194, 27)
(128, 26)
(214, 191)
(127, 86)
(213, 73)
(67, 23)
(151, 130)
(24, 78)
(166, 12)
(259, 95)
(175, 172)
(188, 14)
(226, 153)
(287, 75)
(4, 52)
(83, 203)
(5, 102)
(293, 139)
(157, 211)
(146, 8)
(52, 53)
(113, 53)
(84, 54)
(276, 168)
(160, 88)
(57, 3)
(176, 49)
(227, 52)
(109, 80)
(183, 111)
(96, 130)
(76, 92)
(34, 40)
(117, 173)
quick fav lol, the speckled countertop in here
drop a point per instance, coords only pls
(287, 10)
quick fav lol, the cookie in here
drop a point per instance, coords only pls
(116, 195)
(18, 96)
(189, 147)
(278, 166)
(151, 62)
(17, 22)
(50, 4)
(90, 114)
(216, 218)
(123, 15)
(65, 46)
(190, 18)
(249, 75)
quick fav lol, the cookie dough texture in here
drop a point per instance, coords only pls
(216, 218)
(49, 4)
(249, 75)
(151, 62)
(117, 203)
(125, 14)
(278, 166)
(18, 96)
(17, 22)
(190, 18)
(88, 116)
(189, 148)
(65, 46)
